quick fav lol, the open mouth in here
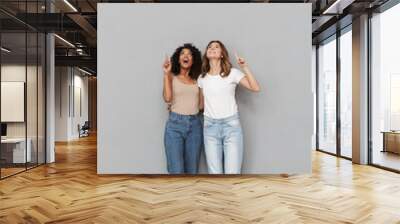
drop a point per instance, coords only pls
(185, 61)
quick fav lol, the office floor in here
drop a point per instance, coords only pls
(70, 191)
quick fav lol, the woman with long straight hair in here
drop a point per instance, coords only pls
(183, 136)
(223, 136)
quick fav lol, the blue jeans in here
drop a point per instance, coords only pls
(183, 141)
(223, 142)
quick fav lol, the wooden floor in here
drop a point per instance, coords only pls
(70, 191)
(5, 172)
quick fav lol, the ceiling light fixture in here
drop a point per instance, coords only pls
(84, 71)
(70, 5)
(326, 11)
(64, 40)
(5, 49)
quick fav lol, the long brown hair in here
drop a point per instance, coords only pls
(225, 63)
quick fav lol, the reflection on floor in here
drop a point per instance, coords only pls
(10, 169)
(386, 159)
(346, 152)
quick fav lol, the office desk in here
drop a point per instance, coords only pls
(13, 150)
(391, 141)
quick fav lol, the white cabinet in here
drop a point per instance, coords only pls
(18, 149)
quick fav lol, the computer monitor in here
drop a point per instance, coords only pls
(3, 129)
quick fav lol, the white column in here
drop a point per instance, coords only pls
(50, 110)
(360, 90)
(50, 92)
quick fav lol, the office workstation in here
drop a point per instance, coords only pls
(15, 146)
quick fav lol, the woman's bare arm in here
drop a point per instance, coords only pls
(249, 81)
(167, 87)
(201, 99)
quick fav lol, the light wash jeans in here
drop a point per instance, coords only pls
(183, 141)
(223, 142)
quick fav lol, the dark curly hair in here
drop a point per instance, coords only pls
(195, 70)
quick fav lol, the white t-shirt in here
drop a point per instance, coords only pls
(219, 94)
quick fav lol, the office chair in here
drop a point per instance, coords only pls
(84, 130)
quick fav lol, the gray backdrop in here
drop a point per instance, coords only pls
(133, 40)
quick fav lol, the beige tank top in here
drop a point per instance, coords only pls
(185, 97)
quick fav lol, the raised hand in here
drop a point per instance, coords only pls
(167, 65)
(248, 81)
(241, 62)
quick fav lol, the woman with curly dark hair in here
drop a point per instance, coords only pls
(183, 136)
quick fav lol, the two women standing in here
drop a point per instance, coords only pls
(223, 136)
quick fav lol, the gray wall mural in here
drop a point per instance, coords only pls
(275, 40)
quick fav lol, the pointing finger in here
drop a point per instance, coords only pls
(237, 56)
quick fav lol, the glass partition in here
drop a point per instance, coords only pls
(22, 77)
(14, 153)
(32, 95)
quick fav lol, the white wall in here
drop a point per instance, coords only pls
(67, 117)
(275, 39)
(79, 117)
(62, 80)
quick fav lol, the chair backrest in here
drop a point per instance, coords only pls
(86, 124)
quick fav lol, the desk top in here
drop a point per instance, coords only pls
(390, 132)
(13, 140)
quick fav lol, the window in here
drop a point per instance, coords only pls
(346, 93)
(385, 89)
(327, 96)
